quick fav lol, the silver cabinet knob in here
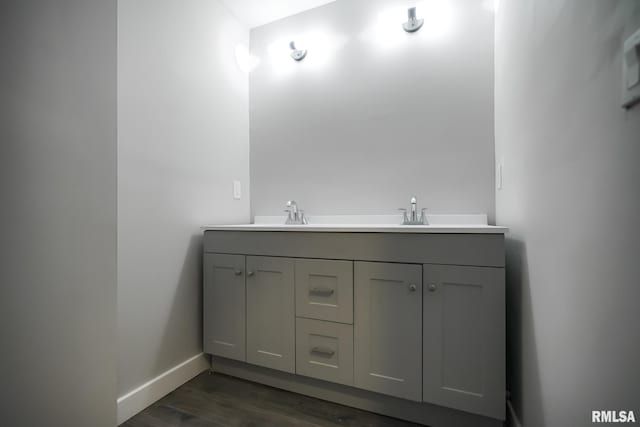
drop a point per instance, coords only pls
(432, 287)
(238, 272)
(412, 287)
(250, 273)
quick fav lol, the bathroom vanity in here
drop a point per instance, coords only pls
(407, 321)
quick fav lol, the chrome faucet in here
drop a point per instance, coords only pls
(295, 215)
(414, 218)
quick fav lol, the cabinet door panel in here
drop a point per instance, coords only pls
(388, 328)
(224, 306)
(464, 339)
(271, 313)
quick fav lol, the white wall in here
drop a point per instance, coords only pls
(58, 213)
(182, 139)
(373, 114)
(572, 200)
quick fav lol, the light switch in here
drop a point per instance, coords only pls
(631, 70)
(237, 190)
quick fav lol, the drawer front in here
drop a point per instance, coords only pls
(324, 350)
(324, 290)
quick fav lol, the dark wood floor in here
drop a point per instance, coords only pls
(215, 400)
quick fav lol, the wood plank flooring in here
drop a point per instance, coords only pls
(216, 400)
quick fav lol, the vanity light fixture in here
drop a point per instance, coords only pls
(413, 24)
(297, 54)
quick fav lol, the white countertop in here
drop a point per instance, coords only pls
(461, 224)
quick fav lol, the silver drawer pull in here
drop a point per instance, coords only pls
(238, 272)
(323, 292)
(323, 351)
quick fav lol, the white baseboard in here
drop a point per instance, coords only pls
(145, 395)
(512, 417)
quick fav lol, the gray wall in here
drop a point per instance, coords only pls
(58, 213)
(182, 139)
(359, 128)
(572, 201)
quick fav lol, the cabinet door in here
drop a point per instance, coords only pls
(388, 328)
(464, 339)
(271, 313)
(224, 306)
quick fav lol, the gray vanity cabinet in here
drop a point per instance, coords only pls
(463, 341)
(224, 306)
(388, 328)
(271, 312)
(411, 325)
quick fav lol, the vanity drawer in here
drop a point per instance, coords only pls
(324, 350)
(324, 290)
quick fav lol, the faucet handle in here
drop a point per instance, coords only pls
(405, 218)
(423, 216)
(289, 217)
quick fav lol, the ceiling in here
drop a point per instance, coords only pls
(254, 13)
